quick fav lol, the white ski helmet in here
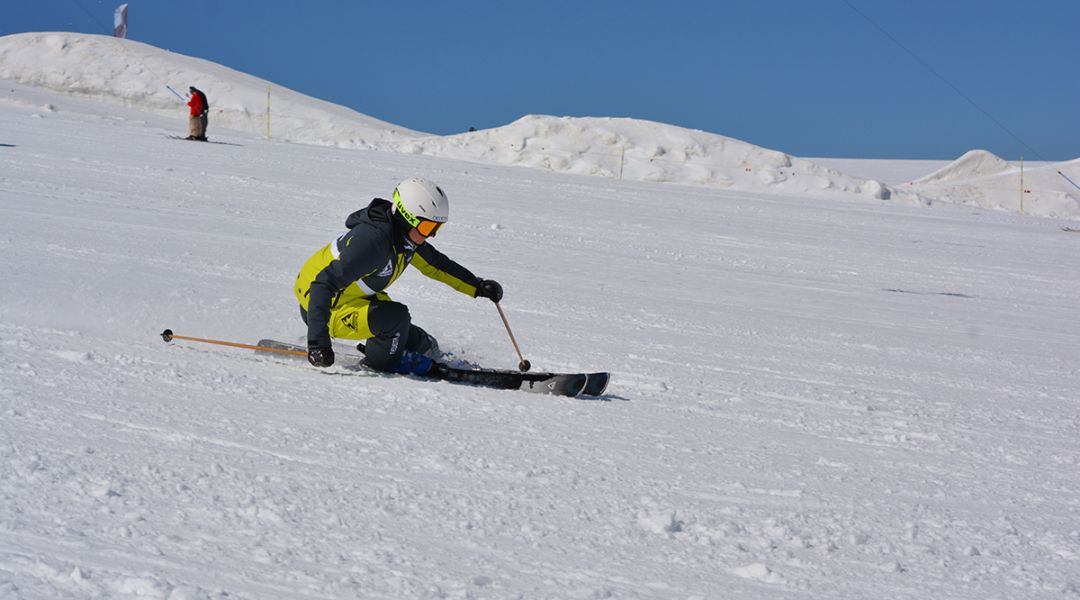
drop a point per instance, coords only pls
(419, 200)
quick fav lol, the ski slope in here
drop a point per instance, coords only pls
(812, 397)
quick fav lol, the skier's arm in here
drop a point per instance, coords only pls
(440, 267)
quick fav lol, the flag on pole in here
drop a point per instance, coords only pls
(120, 21)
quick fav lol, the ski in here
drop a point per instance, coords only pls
(596, 383)
(560, 384)
(186, 139)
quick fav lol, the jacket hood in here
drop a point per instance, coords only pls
(380, 211)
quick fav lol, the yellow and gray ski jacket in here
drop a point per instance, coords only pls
(364, 261)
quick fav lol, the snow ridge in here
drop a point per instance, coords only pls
(135, 75)
(972, 165)
(979, 178)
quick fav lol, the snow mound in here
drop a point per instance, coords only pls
(978, 178)
(973, 164)
(641, 150)
(134, 74)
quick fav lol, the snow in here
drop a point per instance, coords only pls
(972, 165)
(824, 396)
(630, 149)
(892, 172)
(130, 73)
(979, 178)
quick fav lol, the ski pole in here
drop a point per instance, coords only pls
(524, 365)
(169, 336)
(178, 96)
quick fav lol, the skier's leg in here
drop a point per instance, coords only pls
(387, 327)
(422, 342)
(350, 321)
(389, 322)
(386, 350)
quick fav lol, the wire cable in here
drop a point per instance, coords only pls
(956, 89)
(104, 28)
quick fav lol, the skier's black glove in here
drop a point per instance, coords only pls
(489, 289)
(321, 357)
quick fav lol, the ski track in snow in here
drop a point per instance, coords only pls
(811, 399)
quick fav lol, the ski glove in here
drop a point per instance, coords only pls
(321, 357)
(489, 289)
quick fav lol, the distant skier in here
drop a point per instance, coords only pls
(341, 287)
(200, 110)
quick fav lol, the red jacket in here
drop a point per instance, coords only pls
(197, 103)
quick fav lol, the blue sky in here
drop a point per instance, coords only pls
(812, 78)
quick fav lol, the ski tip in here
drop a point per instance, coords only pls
(570, 385)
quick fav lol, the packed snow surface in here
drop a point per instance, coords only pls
(813, 397)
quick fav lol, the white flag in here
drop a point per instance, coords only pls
(120, 21)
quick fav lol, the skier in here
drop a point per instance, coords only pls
(341, 287)
(200, 108)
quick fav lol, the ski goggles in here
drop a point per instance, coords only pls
(427, 228)
(424, 227)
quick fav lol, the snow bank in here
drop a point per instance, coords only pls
(643, 151)
(973, 164)
(979, 178)
(134, 74)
